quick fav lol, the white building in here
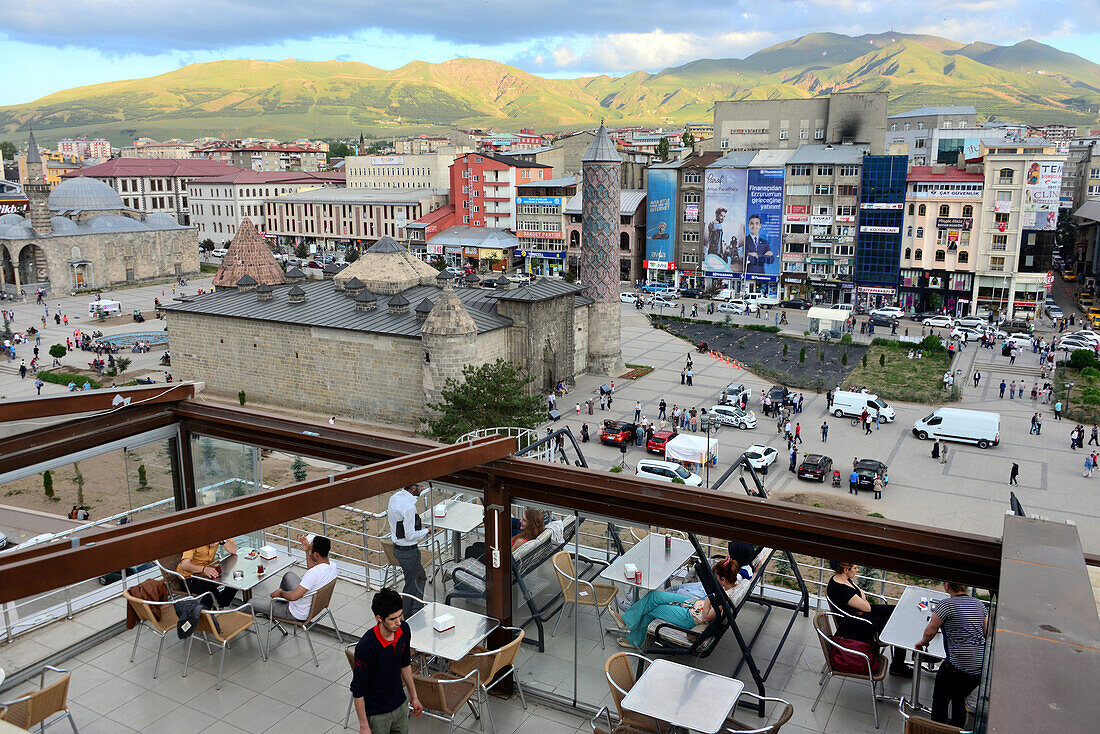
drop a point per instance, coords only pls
(418, 171)
(86, 149)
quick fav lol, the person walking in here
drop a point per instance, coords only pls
(1012, 390)
(1080, 436)
(1089, 466)
(853, 483)
(787, 430)
(683, 376)
(1013, 475)
(867, 423)
(1073, 439)
(690, 374)
(382, 665)
(798, 433)
(603, 401)
(406, 531)
(1038, 424)
(1031, 430)
(38, 386)
(1093, 437)
(1003, 386)
(794, 458)
(824, 431)
(977, 377)
(1058, 411)
(943, 452)
(936, 450)
(637, 410)
(661, 407)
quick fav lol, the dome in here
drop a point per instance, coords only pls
(64, 225)
(160, 220)
(84, 193)
(20, 230)
(113, 223)
(10, 218)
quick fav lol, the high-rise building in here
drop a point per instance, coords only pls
(878, 244)
(843, 117)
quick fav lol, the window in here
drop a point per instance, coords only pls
(823, 189)
(894, 127)
(795, 228)
(996, 263)
(968, 211)
(692, 197)
(909, 231)
(821, 210)
(845, 250)
(847, 190)
(465, 218)
(1004, 196)
(922, 210)
(917, 254)
(947, 124)
(941, 256)
(803, 134)
(1000, 242)
(920, 233)
(689, 237)
(945, 210)
(912, 207)
(1004, 176)
(689, 257)
(908, 126)
(1001, 218)
(819, 133)
(800, 170)
(475, 208)
(693, 177)
(824, 170)
(1094, 173)
(908, 253)
(725, 144)
(784, 133)
(920, 125)
(964, 257)
(919, 142)
(849, 170)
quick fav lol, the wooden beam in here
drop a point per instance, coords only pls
(92, 401)
(40, 569)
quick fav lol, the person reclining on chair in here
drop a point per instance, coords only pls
(849, 601)
(290, 600)
(677, 609)
(742, 555)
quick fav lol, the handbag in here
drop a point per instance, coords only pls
(843, 661)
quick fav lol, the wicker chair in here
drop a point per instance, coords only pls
(489, 664)
(823, 623)
(620, 679)
(920, 725)
(733, 726)
(147, 617)
(318, 608)
(586, 594)
(443, 696)
(598, 727)
(224, 626)
(35, 708)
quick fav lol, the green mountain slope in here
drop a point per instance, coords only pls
(1028, 81)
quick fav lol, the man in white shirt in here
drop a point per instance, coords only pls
(406, 532)
(294, 596)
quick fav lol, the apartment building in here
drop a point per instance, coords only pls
(264, 157)
(920, 130)
(420, 145)
(878, 242)
(483, 187)
(402, 171)
(219, 204)
(84, 148)
(943, 218)
(674, 240)
(541, 225)
(169, 149)
(844, 117)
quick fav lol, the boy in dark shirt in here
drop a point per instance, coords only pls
(382, 664)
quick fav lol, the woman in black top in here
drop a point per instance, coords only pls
(848, 599)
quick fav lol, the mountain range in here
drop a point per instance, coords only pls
(1027, 82)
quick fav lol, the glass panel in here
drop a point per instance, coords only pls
(224, 470)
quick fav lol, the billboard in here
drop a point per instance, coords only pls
(1042, 194)
(660, 240)
(744, 215)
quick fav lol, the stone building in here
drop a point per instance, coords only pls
(599, 252)
(81, 236)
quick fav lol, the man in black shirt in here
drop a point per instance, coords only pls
(382, 664)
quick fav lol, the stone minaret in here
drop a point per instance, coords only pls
(600, 253)
(449, 338)
(36, 190)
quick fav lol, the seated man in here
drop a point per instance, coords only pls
(290, 600)
(197, 566)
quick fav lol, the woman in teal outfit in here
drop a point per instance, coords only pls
(676, 609)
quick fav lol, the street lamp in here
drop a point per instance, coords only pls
(707, 424)
(1069, 386)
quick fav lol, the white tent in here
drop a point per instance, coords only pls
(108, 307)
(692, 449)
(826, 319)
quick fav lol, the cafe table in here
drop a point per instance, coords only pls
(650, 557)
(684, 696)
(906, 627)
(248, 564)
(459, 518)
(469, 629)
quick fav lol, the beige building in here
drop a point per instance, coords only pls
(264, 156)
(172, 149)
(219, 204)
(844, 117)
(421, 145)
(402, 171)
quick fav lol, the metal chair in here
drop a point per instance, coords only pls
(733, 726)
(620, 679)
(578, 592)
(489, 664)
(350, 652)
(224, 626)
(36, 707)
(824, 626)
(597, 727)
(173, 579)
(444, 696)
(147, 617)
(318, 608)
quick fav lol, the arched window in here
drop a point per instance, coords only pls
(917, 254)
(1005, 176)
(940, 256)
(920, 233)
(964, 257)
(908, 253)
(968, 211)
(575, 239)
(909, 231)
(911, 208)
(945, 210)
(624, 241)
(923, 210)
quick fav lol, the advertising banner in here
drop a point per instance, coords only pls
(1042, 193)
(539, 200)
(879, 230)
(14, 206)
(435, 249)
(821, 219)
(660, 241)
(954, 223)
(744, 213)
(845, 219)
(691, 212)
(386, 160)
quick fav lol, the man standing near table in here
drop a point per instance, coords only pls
(197, 566)
(406, 531)
(287, 602)
(383, 662)
(964, 621)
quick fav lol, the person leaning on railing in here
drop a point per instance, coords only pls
(198, 567)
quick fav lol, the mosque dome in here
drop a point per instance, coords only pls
(387, 267)
(83, 193)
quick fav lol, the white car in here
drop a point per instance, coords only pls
(971, 334)
(748, 306)
(972, 322)
(1071, 343)
(663, 302)
(761, 457)
(731, 307)
(628, 297)
(892, 311)
(1093, 336)
(943, 321)
(667, 471)
(730, 415)
(219, 252)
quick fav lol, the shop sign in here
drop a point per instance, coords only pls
(794, 279)
(845, 219)
(691, 212)
(847, 286)
(545, 254)
(793, 257)
(880, 205)
(387, 160)
(824, 239)
(945, 194)
(454, 250)
(14, 206)
(819, 260)
(821, 219)
(435, 249)
(692, 273)
(876, 290)
(538, 234)
(658, 265)
(539, 200)
(761, 278)
(469, 251)
(1002, 207)
(796, 218)
(798, 208)
(879, 230)
(954, 223)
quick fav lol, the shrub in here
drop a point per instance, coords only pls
(1090, 375)
(846, 339)
(932, 343)
(876, 514)
(784, 349)
(47, 484)
(802, 355)
(143, 479)
(844, 359)
(57, 351)
(1082, 358)
(882, 360)
(64, 378)
(677, 480)
(241, 397)
(864, 360)
(617, 469)
(880, 342)
(122, 363)
(298, 468)
(1090, 395)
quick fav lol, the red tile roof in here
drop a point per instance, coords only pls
(952, 173)
(245, 176)
(163, 167)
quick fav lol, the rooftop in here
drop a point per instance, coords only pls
(629, 201)
(244, 176)
(476, 237)
(829, 153)
(157, 167)
(550, 182)
(932, 111)
(359, 196)
(948, 173)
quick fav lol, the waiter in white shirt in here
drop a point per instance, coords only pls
(406, 531)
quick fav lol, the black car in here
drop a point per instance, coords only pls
(691, 293)
(815, 466)
(800, 303)
(868, 470)
(919, 317)
(882, 319)
(780, 395)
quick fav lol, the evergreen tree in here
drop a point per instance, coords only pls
(298, 468)
(47, 484)
(78, 479)
(143, 479)
(491, 395)
(662, 149)
(688, 140)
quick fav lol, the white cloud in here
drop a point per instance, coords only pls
(659, 49)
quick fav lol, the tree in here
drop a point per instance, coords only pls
(298, 468)
(493, 394)
(438, 262)
(662, 149)
(688, 141)
(338, 150)
(122, 363)
(7, 149)
(301, 250)
(78, 479)
(143, 479)
(47, 484)
(802, 355)
(241, 397)
(882, 360)
(57, 351)
(351, 254)
(207, 244)
(1082, 358)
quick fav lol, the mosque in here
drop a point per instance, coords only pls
(80, 236)
(379, 339)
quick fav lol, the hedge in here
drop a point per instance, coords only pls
(64, 378)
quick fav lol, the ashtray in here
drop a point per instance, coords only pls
(238, 575)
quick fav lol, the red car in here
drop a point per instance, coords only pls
(618, 433)
(656, 444)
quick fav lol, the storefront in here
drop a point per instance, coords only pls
(493, 258)
(470, 257)
(933, 290)
(661, 272)
(452, 255)
(873, 296)
(543, 262)
(795, 286)
(690, 279)
(1006, 295)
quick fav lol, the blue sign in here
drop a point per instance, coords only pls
(539, 200)
(660, 241)
(545, 254)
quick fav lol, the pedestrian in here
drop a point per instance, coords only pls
(1080, 436)
(824, 431)
(603, 401)
(609, 400)
(853, 483)
(637, 410)
(406, 531)
(1003, 386)
(936, 450)
(1073, 439)
(878, 418)
(38, 386)
(683, 377)
(1038, 424)
(1088, 466)
(1013, 474)
(1012, 390)
(578, 408)
(943, 453)
(1012, 356)
(382, 663)
(661, 409)
(22, 369)
(799, 410)
(1093, 437)
(1058, 411)
(787, 430)
(690, 373)
(794, 458)
(977, 377)
(639, 435)
(797, 433)
(867, 424)
(829, 400)
(1031, 430)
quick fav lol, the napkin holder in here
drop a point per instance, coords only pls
(268, 553)
(630, 570)
(444, 622)
(440, 511)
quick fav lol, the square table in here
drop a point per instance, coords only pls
(461, 518)
(454, 644)
(684, 696)
(240, 562)
(906, 627)
(656, 564)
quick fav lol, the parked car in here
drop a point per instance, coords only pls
(849, 403)
(659, 288)
(879, 318)
(729, 415)
(628, 297)
(1069, 275)
(731, 307)
(315, 265)
(971, 334)
(3, 540)
(691, 292)
(1013, 326)
(760, 457)
(732, 393)
(1089, 334)
(656, 443)
(972, 322)
(667, 471)
(920, 317)
(519, 278)
(453, 270)
(618, 433)
(955, 424)
(780, 395)
(799, 303)
(1071, 343)
(663, 302)
(894, 311)
(944, 321)
(815, 466)
(218, 252)
(760, 300)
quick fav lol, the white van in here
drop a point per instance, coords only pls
(760, 300)
(854, 403)
(955, 424)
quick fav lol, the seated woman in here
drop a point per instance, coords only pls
(531, 526)
(676, 609)
(848, 598)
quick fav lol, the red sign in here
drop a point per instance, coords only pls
(798, 208)
(13, 206)
(536, 233)
(658, 265)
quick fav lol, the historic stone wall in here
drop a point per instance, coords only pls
(541, 339)
(580, 339)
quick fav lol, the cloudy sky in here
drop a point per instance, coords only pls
(49, 45)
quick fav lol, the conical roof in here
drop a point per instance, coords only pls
(424, 306)
(295, 272)
(248, 254)
(246, 279)
(601, 149)
(33, 156)
(388, 267)
(398, 300)
(449, 317)
(386, 244)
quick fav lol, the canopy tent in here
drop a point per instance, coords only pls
(692, 449)
(827, 319)
(105, 306)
